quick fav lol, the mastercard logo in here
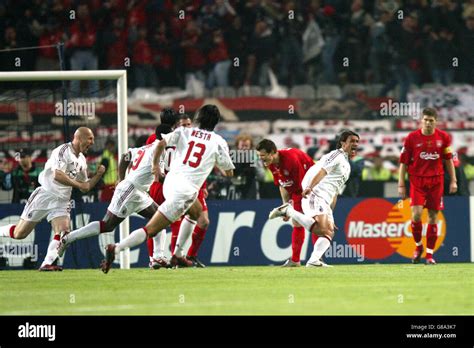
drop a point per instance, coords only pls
(384, 228)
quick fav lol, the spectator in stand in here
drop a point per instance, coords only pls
(291, 46)
(406, 42)
(23, 180)
(115, 39)
(192, 45)
(262, 50)
(48, 56)
(356, 41)
(82, 37)
(377, 171)
(379, 49)
(142, 60)
(237, 48)
(442, 53)
(163, 51)
(466, 43)
(218, 57)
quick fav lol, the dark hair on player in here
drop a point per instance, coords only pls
(430, 112)
(207, 117)
(267, 145)
(141, 141)
(184, 116)
(168, 116)
(162, 129)
(343, 137)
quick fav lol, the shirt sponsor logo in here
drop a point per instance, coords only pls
(286, 183)
(429, 156)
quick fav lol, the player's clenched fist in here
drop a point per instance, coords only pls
(101, 170)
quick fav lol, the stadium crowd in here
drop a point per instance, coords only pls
(235, 43)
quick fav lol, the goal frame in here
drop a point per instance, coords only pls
(122, 114)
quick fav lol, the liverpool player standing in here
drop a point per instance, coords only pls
(422, 157)
(288, 167)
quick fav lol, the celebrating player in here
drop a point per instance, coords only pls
(203, 220)
(130, 195)
(64, 170)
(288, 167)
(422, 156)
(156, 245)
(321, 185)
(198, 150)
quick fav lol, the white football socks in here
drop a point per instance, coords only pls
(5, 230)
(186, 229)
(300, 218)
(320, 247)
(135, 238)
(52, 253)
(89, 230)
(159, 242)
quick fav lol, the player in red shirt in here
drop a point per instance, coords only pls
(422, 157)
(288, 167)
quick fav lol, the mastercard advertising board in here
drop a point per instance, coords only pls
(381, 228)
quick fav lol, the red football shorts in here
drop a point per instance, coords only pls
(156, 192)
(297, 202)
(427, 191)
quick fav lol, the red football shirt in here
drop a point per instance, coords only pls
(290, 171)
(424, 154)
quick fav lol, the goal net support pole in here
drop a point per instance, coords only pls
(122, 115)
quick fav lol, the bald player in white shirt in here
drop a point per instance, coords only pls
(130, 195)
(198, 150)
(65, 169)
(321, 185)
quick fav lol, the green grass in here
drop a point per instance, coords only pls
(341, 290)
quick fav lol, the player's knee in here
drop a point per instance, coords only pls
(203, 223)
(107, 227)
(417, 217)
(20, 234)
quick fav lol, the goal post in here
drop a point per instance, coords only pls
(122, 113)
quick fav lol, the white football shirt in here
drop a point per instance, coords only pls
(336, 164)
(64, 159)
(197, 152)
(139, 171)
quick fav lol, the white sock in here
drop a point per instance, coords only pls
(187, 227)
(320, 247)
(5, 230)
(300, 218)
(89, 230)
(159, 242)
(135, 238)
(52, 253)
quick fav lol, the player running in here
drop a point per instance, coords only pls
(422, 156)
(198, 150)
(203, 220)
(65, 169)
(288, 167)
(321, 185)
(130, 195)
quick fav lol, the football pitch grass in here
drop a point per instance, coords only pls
(397, 289)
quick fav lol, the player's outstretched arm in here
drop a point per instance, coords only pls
(316, 180)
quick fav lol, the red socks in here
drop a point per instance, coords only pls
(12, 232)
(416, 228)
(297, 239)
(431, 237)
(198, 237)
(174, 234)
(149, 244)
